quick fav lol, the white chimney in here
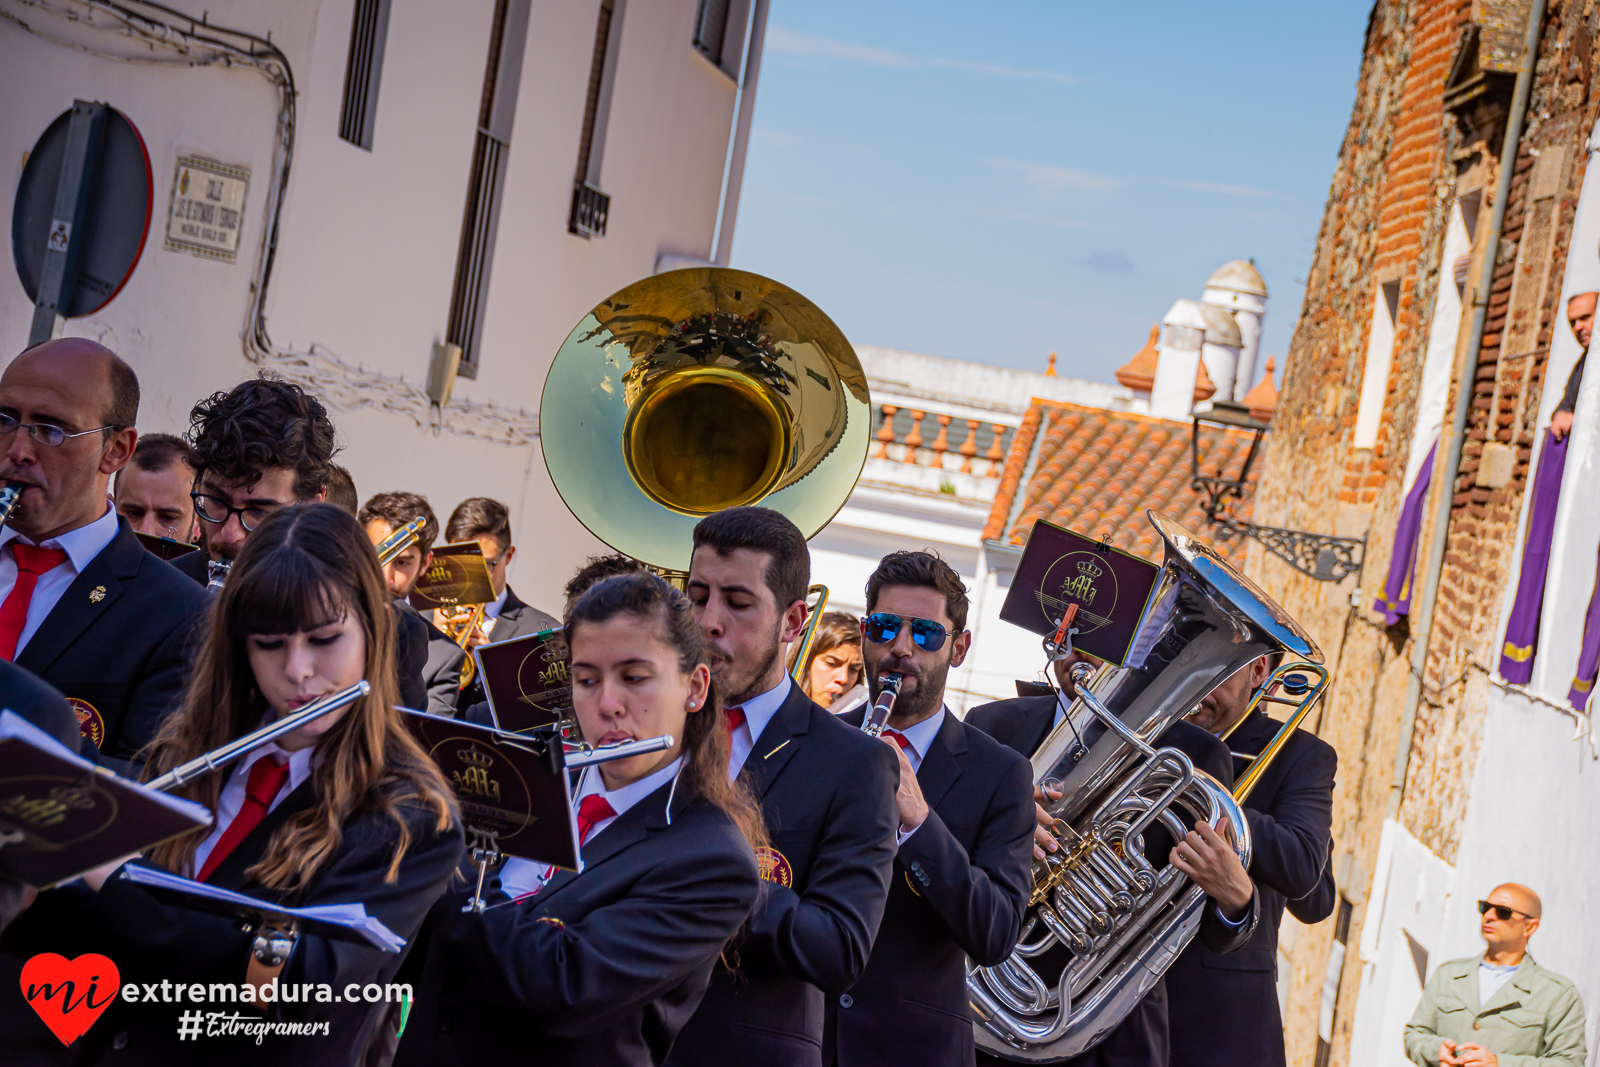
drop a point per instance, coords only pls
(1237, 287)
(1183, 333)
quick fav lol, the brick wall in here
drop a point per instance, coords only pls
(1402, 163)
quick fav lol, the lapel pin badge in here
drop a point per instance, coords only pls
(98, 594)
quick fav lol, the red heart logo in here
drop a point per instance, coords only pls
(70, 995)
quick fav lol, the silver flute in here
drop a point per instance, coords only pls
(218, 758)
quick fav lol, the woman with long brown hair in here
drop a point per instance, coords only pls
(345, 810)
(605, 967)
(833, 664)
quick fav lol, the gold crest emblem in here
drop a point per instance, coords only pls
(98, 594)
(90, 724)
(774, 867)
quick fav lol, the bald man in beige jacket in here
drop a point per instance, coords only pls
(1500, 1009)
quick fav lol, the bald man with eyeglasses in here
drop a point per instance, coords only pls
(82, 604)
(1500, 1009)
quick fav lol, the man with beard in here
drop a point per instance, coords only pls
(1023, 723)
(82, 605)
(827, 794)
(261, 446)
(965, 802)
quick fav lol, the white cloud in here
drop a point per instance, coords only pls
(794, 43)
(1042, 176)
(1226, 190)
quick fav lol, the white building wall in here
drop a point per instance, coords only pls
(368, 246)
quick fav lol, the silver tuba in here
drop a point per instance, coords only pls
(1103, 924)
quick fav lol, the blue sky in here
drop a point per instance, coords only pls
(993, 181)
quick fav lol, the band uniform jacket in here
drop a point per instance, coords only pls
(960, 887)
(1141, 1039)
(150, 941)
(442, 660)
(410, 634)
(1225, 1008)
(119, 643)
(603, 967)
(44, 707)
(827, 795)
(517, 618)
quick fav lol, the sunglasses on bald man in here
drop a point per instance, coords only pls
(1501, 912)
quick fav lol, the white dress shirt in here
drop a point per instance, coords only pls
(232, 797)
(491, 612)
(758, 711)
(81, 546)
(520, 877)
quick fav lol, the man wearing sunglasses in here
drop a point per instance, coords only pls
(1501, 1007)
(82, 604)
(263, 445)
(961, 873)
(1023, 723)
(826, 793)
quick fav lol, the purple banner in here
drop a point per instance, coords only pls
(1395, 599)
(1589, 657)
(1522, 633)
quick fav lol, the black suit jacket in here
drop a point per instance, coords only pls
(1225, 1008)
(599, 968)
(960, 887)
(149, 941)
(517, 618)
(827, 794)
(120, 641)
(1141, 1039)
(432, 658)
(40, 703)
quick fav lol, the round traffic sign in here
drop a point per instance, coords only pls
(116, 219)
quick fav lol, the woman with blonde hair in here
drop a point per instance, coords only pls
(345, 810)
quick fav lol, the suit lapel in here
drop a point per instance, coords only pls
(942, 766)
(1037, 721)
(778, 743)
(230, 872)
(631, 827)
(89, 596)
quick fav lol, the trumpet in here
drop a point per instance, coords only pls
(219, 758)
(459, 624)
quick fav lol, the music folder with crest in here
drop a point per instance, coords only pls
(528, 680)
(507, 786)
(458, 576)
(1111, 588)
(60, 815)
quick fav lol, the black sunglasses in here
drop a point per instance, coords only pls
(883, 627)
(1501, 912)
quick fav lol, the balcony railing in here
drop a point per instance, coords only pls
(590, 207)
(902, 437)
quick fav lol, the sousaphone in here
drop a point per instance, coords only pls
(697, 390)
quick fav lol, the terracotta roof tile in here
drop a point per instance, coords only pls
(1097, 471)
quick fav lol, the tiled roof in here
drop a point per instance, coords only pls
(1097, 471)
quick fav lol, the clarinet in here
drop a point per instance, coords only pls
(10, 497)
(888, 689)
(217, 575)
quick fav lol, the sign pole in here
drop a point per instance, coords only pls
(59, 278)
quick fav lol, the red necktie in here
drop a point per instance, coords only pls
(898, 738)
(734, 717)
(32, 561)
(594, 808)
(267, 777)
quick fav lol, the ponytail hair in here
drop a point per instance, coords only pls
(705, 732)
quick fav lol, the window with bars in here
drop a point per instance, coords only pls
(710, 27)
(590, 207)
(486, 187)
(363, 70)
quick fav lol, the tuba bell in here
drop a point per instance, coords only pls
(1103, 924)
(697, 390)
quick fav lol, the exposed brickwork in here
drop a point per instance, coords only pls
(1403, 162)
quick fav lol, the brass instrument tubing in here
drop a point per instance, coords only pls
(390, 547)
(1258, 767)
(808, 635)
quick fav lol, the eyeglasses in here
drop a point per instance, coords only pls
(1501, 912)
(217, 511)
(43, 432)
(883, 627)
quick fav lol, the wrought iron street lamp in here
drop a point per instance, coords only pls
(1320, 556)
